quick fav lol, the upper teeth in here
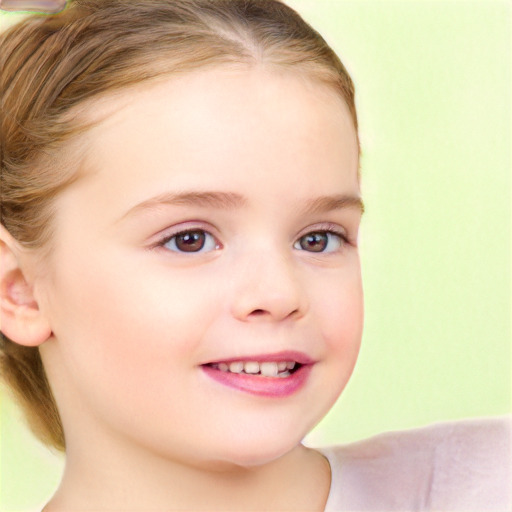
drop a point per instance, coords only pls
(267, 369)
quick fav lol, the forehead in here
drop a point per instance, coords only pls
(224, 127)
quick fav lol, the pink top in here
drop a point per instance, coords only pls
(460, 466)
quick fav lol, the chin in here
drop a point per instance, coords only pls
(247, 460)
(259, 450)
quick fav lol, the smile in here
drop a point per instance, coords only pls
(277, 375)
(279, 369)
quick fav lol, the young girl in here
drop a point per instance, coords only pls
(181, 293)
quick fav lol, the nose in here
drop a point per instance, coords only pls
(267, 287)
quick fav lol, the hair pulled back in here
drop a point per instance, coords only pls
(52, 66)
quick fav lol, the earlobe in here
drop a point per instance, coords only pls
(20, 317)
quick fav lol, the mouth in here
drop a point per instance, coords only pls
(278, 369)
(270, 375)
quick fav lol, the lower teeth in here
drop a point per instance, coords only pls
(279, 375)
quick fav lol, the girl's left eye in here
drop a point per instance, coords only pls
(321, 241)
(194, 240)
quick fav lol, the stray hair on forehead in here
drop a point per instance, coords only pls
(54, 66)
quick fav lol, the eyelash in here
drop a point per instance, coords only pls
(330, 230)
(162, 243)
(326, 229)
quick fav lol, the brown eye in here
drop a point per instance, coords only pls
(320, 241)
(315, 242)
(191, 241)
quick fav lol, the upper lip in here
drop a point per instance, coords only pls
(285, 355)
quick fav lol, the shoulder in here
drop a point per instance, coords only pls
(463, 465)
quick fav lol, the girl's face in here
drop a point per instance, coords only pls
(216, 223)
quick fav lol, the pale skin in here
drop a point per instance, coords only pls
(124, 320)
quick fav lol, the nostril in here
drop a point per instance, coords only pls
(263, 312)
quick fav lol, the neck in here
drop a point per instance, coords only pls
(119, 480)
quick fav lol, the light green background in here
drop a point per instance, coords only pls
(433, 93)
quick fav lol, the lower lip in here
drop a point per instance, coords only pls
(275, 387)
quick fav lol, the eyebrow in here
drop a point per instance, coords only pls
(232, 201)
(337, 202)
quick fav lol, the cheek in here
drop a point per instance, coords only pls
(121, 322)
(128, 340)
(341, 312)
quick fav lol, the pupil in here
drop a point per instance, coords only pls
(316, 242)
(190, 242)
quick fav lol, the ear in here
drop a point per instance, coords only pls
(20, 318)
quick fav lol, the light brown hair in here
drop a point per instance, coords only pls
(52, 66)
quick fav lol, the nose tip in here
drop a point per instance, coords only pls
(268, 291)
(276, 309)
